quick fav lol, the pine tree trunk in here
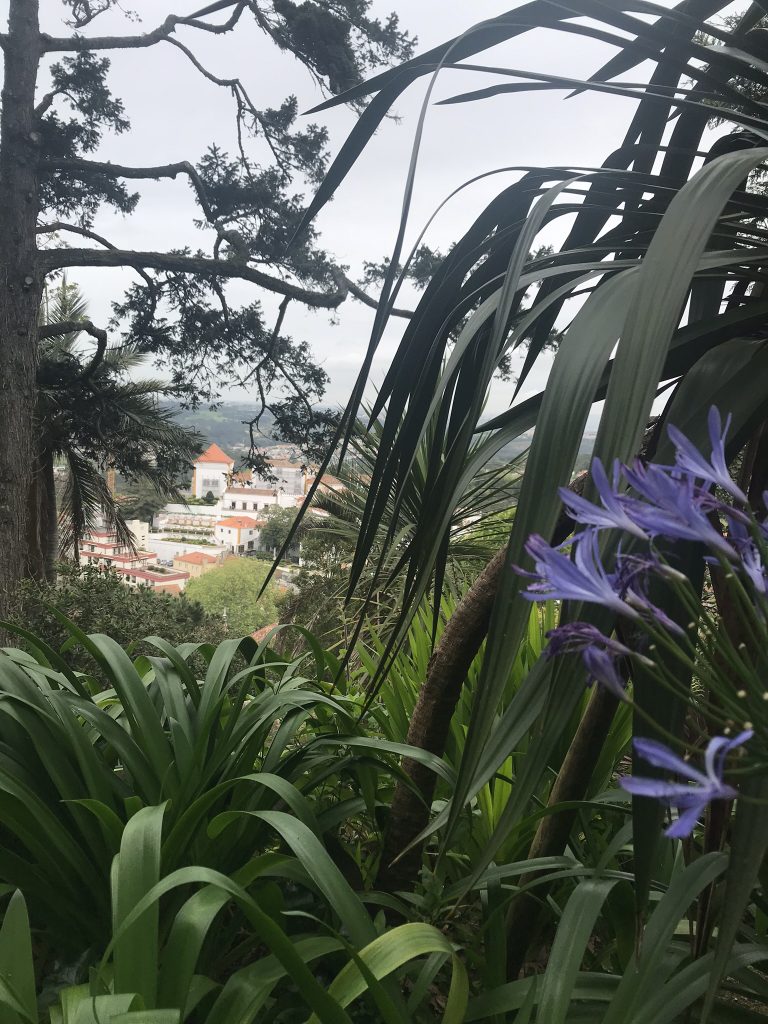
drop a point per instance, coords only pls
(20, 292)
(34, 522)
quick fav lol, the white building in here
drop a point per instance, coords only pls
(195, 522)
(100, 548)
(241, 496)
(239, 534)
(210, 472)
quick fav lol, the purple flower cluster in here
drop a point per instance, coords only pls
(675, 502)
(690, 800)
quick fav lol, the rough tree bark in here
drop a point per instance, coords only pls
(461, 640)
(20, 290)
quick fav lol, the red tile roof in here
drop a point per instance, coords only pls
(195, 558)
(215, 454)
(241, 522)
(170, 588)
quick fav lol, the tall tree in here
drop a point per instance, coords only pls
(179, 311)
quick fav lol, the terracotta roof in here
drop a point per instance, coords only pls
(215, 454)
(241, 522)
(171, 588)
(195, 558)
(159, 576)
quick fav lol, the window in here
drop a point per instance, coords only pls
(250, 545)
(243, 505)
(233, 504)
(240, 547)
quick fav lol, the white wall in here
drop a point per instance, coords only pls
(210, 476)
(167, 549)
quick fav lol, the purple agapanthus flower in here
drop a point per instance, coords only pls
(582, 579)
(630, 581)
(690, 800)
(612, 513)
(750, 556)
(601, 666)
(576, 636)
(673, 507)
(690, 460)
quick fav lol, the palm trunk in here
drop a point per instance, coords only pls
(20, 293)
(459, 645)
(552, 834)
(49, 518)
(461, 640)
(35, 562)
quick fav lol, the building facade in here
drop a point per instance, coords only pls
(239, 534)
(210, 472)
(138, 568)
(196, 563)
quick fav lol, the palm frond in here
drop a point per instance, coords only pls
(87, 502)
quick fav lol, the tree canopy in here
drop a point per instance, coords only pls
(234, 590)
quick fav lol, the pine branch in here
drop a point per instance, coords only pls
(60, 225)
(76, 43)
(366, 299)
(57, 259)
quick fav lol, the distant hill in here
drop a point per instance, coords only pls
(521, 444)
(225, 426)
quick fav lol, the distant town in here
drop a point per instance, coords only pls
(222, 518)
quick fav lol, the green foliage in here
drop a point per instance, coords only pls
(99, 602)
(140, 500)
(234, 589)
(277, 527)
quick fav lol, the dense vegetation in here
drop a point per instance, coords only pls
(517, 769)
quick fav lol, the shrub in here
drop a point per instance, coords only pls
(99, 602)
(253, 734)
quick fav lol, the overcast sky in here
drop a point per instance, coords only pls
(175, 114)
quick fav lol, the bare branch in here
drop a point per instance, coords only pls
(81, 43)
(59, 225)
(71, 327)
(226, 82)
(366, 299)
(256, 371)
(144, 173)
(56, 259)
